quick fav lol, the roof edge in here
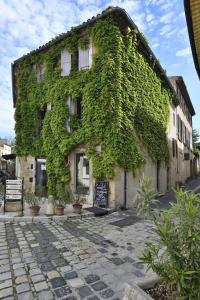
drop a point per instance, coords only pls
(104, 13)
(191, 35)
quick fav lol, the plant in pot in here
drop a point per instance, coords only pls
(64, 196)
(34, 203)
(79, 200)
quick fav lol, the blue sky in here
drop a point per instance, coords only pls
(27, 24)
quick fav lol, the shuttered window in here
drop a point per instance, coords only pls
(72, 111)
(40, 72)
(173, 148)
(65, 63)
(85, 58)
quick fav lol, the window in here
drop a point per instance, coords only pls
(181, 130)
(65, 63)
(174, 119)
(49, 106)
(177, 126)
(40, 121)
(79, 110)
(174, 148)
(40, 73)
(85, 58)
(82, 173)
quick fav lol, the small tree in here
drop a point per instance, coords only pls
(64, 195)
(179, 233)
(195, 141)
(145, 198)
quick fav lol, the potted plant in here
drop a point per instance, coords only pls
(34, 203)
(64, 196)
(79, 200)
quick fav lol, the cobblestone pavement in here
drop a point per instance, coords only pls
(77, 259)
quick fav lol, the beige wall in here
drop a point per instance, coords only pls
(180, 169)
(23, 170)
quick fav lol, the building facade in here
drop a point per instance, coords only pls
(94, 106)
(5, 149)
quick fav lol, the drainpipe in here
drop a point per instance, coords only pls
(125, 190)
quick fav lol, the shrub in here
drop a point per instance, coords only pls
(64, 195)
(178, 264)
(145, 198)
(31, 199)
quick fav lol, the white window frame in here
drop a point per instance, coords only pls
(49, 106)
(85, 57)
(65, 62)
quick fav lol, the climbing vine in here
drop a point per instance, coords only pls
(125, 105)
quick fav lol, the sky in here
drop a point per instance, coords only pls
(27, 24)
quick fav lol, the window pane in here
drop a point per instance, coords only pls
(83, 58)
(82, 173)
(65, 63)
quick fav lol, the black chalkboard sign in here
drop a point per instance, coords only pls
(101, 193)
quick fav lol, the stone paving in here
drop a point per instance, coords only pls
(76, 259)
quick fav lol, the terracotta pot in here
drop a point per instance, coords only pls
(77, 207)
(34, 210)
(59, 211)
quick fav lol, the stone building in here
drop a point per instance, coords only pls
(180, 134)
(5, 149)
(94, 106)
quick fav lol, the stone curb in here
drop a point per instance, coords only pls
(149, 283)
(134, 292)
(45, 218)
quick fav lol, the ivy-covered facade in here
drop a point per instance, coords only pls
(92, 104)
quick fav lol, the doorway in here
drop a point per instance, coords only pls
(82, 174)
(41, 177)
(158, 175)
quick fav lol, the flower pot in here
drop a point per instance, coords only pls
(59, 211)
(77, 207)
(34, 210)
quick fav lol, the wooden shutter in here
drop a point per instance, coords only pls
(177, 126)
(173, 148)
(65, 63)
(83, 59)
(49, 106)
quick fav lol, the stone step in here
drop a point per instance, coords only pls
(13, 206)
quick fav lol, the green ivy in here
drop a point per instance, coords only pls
(125, 105)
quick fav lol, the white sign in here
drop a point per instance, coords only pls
(17, 181)
(12, 192)
(43, 167)
(13, 187)
(13, 197)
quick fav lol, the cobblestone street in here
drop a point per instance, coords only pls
(90, 258)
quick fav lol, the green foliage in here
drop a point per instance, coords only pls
(64, 195)
(125, 104)
(145, 198)
(195, 141)
(179, 263)
(32, 200)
